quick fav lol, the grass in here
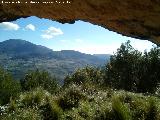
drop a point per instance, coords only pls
(82, 103)
(120, 109)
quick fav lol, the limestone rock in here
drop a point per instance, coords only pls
(134, 18)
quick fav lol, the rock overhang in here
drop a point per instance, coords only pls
(133, 18)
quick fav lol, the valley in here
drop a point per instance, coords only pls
(19, 56)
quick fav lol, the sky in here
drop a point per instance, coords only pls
(80, 36)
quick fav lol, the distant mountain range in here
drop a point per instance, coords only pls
(18, 56)
(103, 56)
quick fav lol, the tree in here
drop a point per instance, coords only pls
(150, 71)
(85, 75)
(9, 88)
(131, 70)
(34, 79)
(121, 72)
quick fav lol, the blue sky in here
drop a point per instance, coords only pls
(81, 36)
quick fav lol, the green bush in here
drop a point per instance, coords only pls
(50, 110)
(9, 88)
(12, 106)
(85, 75)
(38, 78)
(23, 114)
(152, 110)
(121, 110)
(71, 97)
(32, 98)
(78, 103)
(83, 101)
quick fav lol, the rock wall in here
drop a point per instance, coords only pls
(134, 18)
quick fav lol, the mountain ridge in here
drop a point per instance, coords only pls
(17, 45)
(18, 56)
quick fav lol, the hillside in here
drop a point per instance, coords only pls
(75, 103)
(19, 56)
(125, 89)
(103, 56)
(17, 48)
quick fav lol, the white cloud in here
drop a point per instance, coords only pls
(51, 32)
(30, 27)
(9, 26)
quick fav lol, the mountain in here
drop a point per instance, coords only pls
(18, 56)
(103, 56)
(23, 49)
(87, 58)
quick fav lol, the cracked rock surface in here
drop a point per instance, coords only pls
(134, 18)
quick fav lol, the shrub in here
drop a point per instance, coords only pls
(121, 110)
(152, 110)
(71, 97)
(12, 106)
(23, 114)
(85, 75)
(51, 110)
(38, 78)
(8, 87)
(32, 98)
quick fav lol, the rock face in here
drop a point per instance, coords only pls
(134, 18)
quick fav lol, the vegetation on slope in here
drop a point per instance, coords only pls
(80, 103)
(18, 56)
(126, 89)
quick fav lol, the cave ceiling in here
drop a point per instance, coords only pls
(133, 18)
